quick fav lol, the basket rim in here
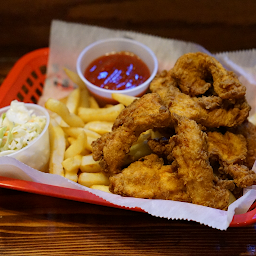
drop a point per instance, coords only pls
(239, 220)
(17, 69)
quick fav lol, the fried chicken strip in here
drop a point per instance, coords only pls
(195, 72)
(208, 111)
(231, 151)
(248, 130)
(149, 178)
(192, 158)
(243, 177)
(163, 147)
(143, 114)
(229, 147)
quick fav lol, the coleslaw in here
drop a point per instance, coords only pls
(18, 127)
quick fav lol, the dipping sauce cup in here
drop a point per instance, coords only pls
(116, 45)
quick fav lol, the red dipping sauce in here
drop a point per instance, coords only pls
(117, 71)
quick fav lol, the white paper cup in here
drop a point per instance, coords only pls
(100, 48)
(36, 154)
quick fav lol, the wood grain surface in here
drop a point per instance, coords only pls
(217, 25)
(38, 225)
(33, 224)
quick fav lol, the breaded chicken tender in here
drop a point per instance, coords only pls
(198, 145)
(248, 130)
(230, 150)
(163, 147)
(229, 147)
(194, 168)
(210, 111)
(143, 114)
(196, 72)
(150, 178)
(241, 175)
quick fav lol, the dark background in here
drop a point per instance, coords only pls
(217, 25)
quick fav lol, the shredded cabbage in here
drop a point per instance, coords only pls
(18, 127)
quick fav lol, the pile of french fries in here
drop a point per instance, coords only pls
(76, 121)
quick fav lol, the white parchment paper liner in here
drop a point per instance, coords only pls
(66, 42)
(12, 168)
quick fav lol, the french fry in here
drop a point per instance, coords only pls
(93, 103)
(71, 140)
(84, 93)
(84, 98)
(57, 148)
(73, 101)
(75, 78)
(89, 142)
(86, 151)
(137, 151)
(101, 127)
(67, 142)
(144, 136)
(71, 166)
(252, 119)
(232, 198)
(155, 134)
(88, 164)
(77, 146)
(108, 105)
(75, 131)
(58, 119)
(101, 114)
(63, 100)
(72, 131)
(124, 99)
(62, 110)
(90, 179)
(101, 187)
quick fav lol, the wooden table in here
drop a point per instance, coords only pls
(33, 224)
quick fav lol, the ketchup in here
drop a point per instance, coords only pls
(117, 71)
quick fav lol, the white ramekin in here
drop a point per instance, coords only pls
(36, 154)
(100, 48)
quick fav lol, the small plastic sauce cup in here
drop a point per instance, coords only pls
(100, 48)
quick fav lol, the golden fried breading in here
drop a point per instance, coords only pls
(191, 155)
(209, 103)
(248, 130)
(148, 109)
(229, 147)
(209, 111)
(162, 147)
(194, 72)
(242, 176)
(225, 183)
(161, 83)
(231, 151)
(149, 178)
(189, 159)
(184, 105)
(143, 114)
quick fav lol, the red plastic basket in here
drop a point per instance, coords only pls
(25, 82)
